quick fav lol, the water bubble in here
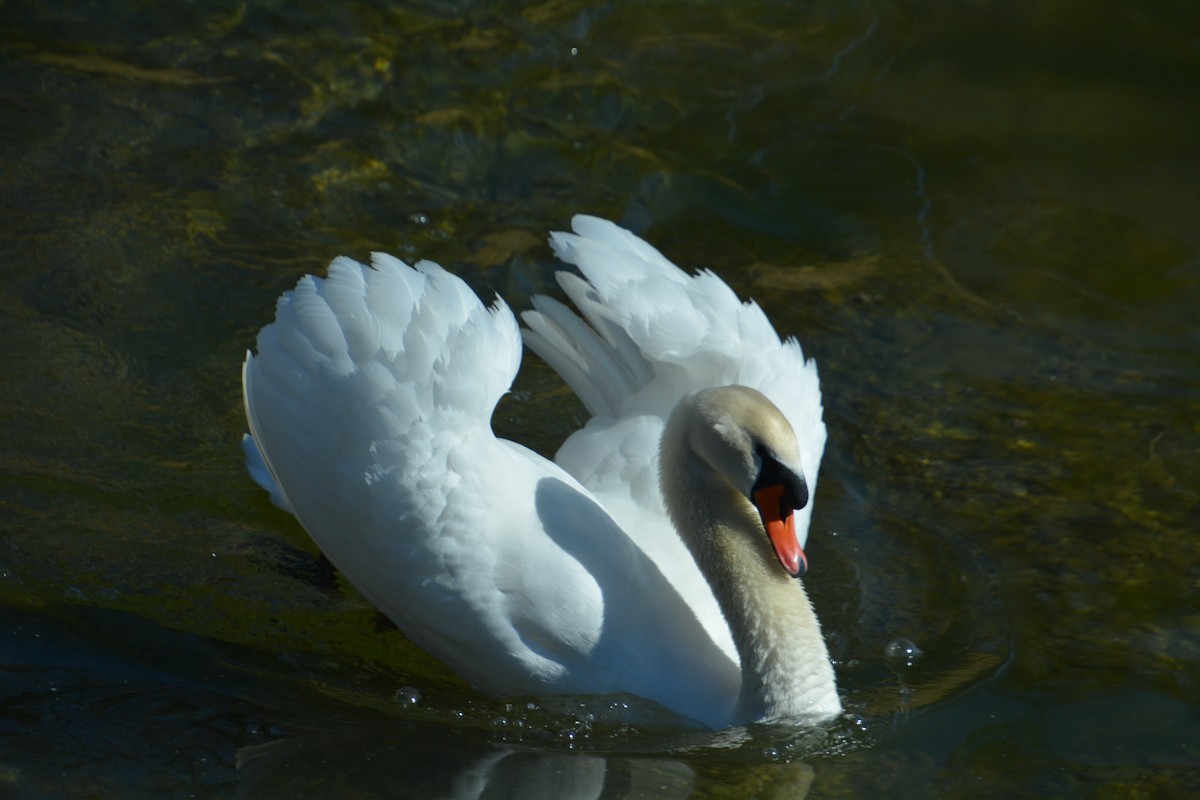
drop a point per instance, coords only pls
(407, 696)
(771, 753)
(902, 650)
(418, 219)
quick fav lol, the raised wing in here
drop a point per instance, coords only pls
(369, 404)
(645, 335)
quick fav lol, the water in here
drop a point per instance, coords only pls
(979, 219)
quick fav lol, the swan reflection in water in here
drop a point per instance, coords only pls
(331, 764)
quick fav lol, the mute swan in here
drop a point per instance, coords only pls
(369, 405)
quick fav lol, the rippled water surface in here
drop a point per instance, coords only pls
(980, 218)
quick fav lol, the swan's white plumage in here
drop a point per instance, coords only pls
(369, 403)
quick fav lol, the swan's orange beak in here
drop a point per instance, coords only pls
(780, 523)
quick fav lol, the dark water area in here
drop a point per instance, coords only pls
(980, 219)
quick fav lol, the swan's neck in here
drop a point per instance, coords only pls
(786, 673)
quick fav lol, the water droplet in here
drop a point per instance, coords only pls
(407, 696)
(902, 650)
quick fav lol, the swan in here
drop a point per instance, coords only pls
(657, 555)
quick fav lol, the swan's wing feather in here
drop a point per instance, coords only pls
(257, 467)
(369, 403)
(666, 334)
(670, 333)
(593, 366)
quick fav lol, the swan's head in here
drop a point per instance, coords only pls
(743, 438)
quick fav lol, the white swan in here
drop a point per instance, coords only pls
(369, 405)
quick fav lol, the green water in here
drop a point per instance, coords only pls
(980, 218)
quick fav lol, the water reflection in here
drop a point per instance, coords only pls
(407, 763)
